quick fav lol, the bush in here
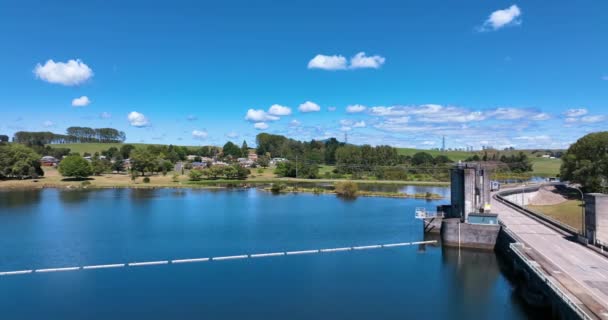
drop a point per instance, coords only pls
(85, 183)
(195, 174)
(347, 189)
(146, 180)
(175, 177)
(75, 166)
(277, 187)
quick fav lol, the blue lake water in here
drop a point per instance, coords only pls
(52, 228)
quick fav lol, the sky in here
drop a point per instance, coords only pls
(405, 73)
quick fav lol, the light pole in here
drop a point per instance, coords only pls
(583, 233)
(523, 186)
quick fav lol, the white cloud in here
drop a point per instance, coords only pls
(339, 62)
(575, 112)
(502, 18)
(345, 122)
(279, 110)
(295, 123)
(199, 134)
(137, 119)
(259, 116)
(605, 78)
(346, 128)
(331, 109)
(359, 124)
(593, 119)
(360, 60)
(261, 126)
(571, 120)
(48, 124)
(542, 116)
(388, 111)
(81, 102)
(309, 106)
(105, 115)
(324, 62)
(232, 135)
(355, 108)
(71, 73)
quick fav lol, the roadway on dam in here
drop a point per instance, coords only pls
(580, 272)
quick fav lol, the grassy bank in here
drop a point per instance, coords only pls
(569, 212)
(52, 179)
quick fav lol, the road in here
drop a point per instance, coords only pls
(582, 272)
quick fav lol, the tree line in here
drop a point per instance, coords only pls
(73, 135)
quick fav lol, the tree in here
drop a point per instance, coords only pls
(586, 162)
(422, 158)
(231, 150)
(244, 149)
(143, 161)
(75, 166)
(18, 161)
(125, 150)
(263, 161)
(99, 166)
(3, 138)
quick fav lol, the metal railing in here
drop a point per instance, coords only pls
(517, 248)
(423, 213)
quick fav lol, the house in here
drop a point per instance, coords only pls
(275, 161)
(49, 161)
(245, 162)
(191, 157)
(253, 156)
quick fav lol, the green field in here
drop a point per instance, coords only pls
(453, 155)
(98, 147)
(544, 167)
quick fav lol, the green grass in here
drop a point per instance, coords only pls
(453, 155)
(98, 147)
(544, 167)
(569, 212)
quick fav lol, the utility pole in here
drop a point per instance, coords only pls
(296, 166)
(443, 144)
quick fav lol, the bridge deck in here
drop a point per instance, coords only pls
(582, 272)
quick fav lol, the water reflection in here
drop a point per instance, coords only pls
(19, 198)
(74, 196)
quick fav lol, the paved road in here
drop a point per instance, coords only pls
(580, 270)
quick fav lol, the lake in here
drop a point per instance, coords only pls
(52, 228)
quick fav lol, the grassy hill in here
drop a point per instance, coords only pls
(98, 147)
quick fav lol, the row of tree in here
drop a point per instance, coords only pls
(73, 135)
(234, 172)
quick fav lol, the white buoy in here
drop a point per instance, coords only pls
(57, 269)
(190, 260)
(390, 245)
(367, 247)
(11, 273)
(335, 249)
(262, 255)
(244, 256)
(148, 263)
(104, 266)
(289, 253)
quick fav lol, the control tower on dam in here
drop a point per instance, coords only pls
(468, 220)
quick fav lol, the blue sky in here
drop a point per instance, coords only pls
(496, 73)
